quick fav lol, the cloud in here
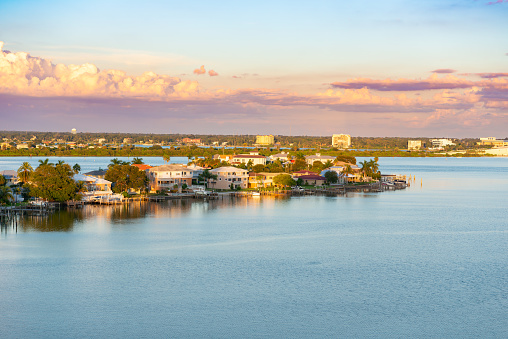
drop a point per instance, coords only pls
(22, 74)
(200, 70)
(212, 73)
(431, 83)
(443, 71)
(496, 2)
(491, 75)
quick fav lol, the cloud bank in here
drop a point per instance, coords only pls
(441, 94)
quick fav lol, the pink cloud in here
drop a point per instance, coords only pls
(444, 71)
(200, 70)
(491, 75)
(496, 2)
(212, 73)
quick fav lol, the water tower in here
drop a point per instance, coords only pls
(73, 131)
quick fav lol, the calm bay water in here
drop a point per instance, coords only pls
(428, 261)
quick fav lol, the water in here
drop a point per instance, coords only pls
(429, 261)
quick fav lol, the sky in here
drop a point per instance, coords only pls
(365, 68)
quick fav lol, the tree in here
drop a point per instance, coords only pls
(5, 195)
(116, 161)
(24, 171)
(54, 183)
(258, 168)
(299, 165)
(166, 158)
(45, 162)
(317, 166)
(346, 171)
(137, 161)
(76, 168)
(125, 176)
(346, 158)
(2, 180)
(331, 177)
(206, 176)
(284, 180)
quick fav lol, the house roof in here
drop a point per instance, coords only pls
(249, 156)
(169, 168)
(9, 174)
(98, 172)
(311, 177)
(304, 171)
(320, 157)
(227, 169)
(142, 167)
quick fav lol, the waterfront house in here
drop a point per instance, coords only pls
(311, 159)
(167, 176)
(228, 177)
(313, 180)
(338, 170)
(11, 177)
(95, 187)
(262, 179)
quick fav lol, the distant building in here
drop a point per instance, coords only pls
(440, 143)
(341, 140)
(101, 140)
(73, 131)
(191, 141)
(265, 140)
(414, 144)
(22, 146)
(128, 140)
(492, 141)
(500, 151)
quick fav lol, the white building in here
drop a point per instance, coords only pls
(167, 176)
(228, 177)
(245, 158)
(341, 140)
(440, 143)
(265, 139)
(310, 159)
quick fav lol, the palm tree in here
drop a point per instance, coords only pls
(366, 167)
(166, 158)
(24, 171)
(45, 162)
(137, 161)
(60, 162)
(115, 161)
(76, 168)
(206, 176)
(374, 166)
(5, 195)
(346, 171)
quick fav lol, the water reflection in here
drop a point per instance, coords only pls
(67, 220)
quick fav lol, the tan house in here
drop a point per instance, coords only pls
(227, 176)
(304, 172)
(167, 176)
(314, 180)
(262, 179)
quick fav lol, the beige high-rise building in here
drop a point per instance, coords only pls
(341, 140)
(265, 139)
(414, 144)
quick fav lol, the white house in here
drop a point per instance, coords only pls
(245, 158)
(310, 159)
(167, 176)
